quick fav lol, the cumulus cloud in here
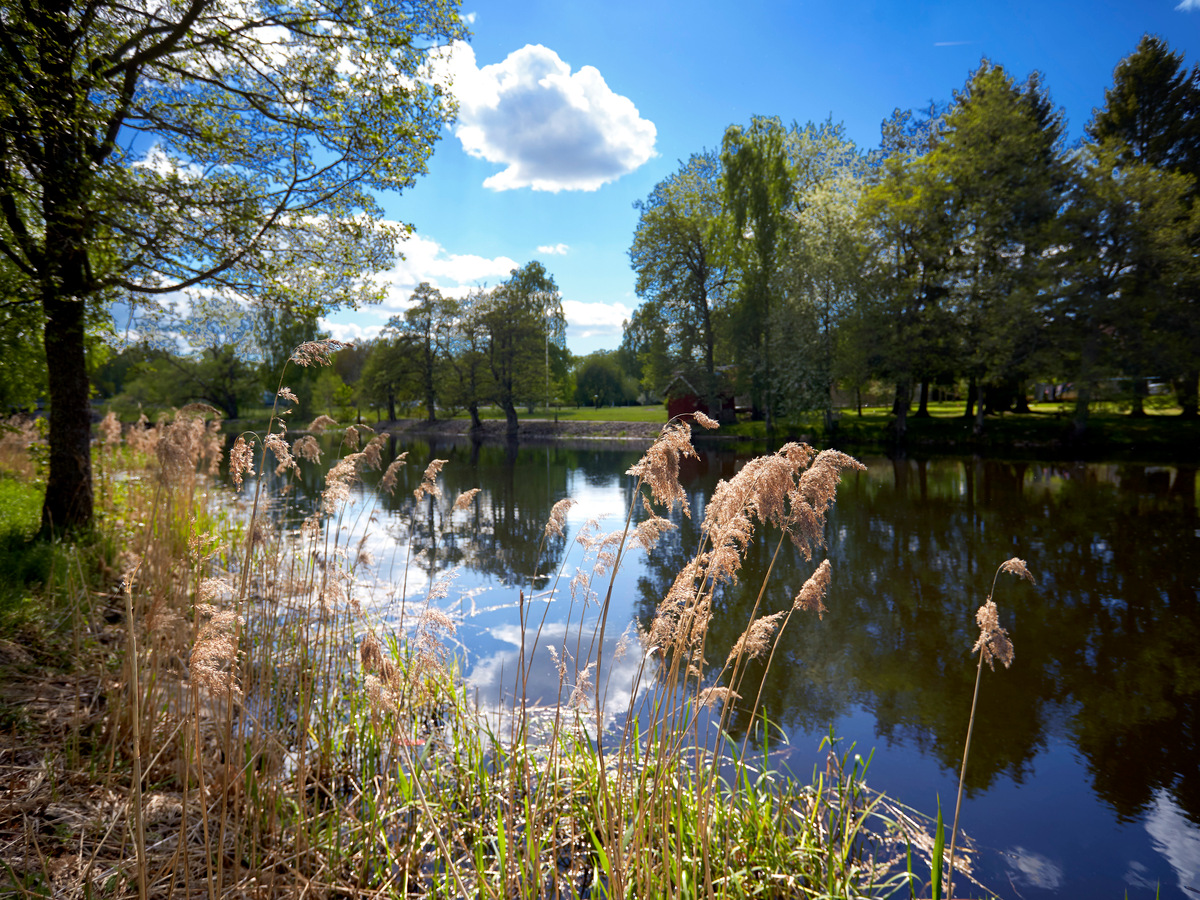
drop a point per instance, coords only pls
(551, 129)
(589, 320)
(452, 273)
(352, 332)
(554, 249)
(1175, 838)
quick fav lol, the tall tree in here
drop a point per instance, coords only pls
(820, 265)
(422, 329)
(647, 345)
(902, 325)
(1125, 218)
(999, 158)
(387, 373)
(464, 348)
(758, 182)
(264, 130)
(523, 318)
(1151, 115)
(678, 265)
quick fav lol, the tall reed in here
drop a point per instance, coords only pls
(993, 644)
(312, 744)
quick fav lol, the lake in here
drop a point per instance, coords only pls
(1084, 772)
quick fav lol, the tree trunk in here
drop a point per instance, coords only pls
(473, 409)
(923, 404)
(1187, 393)
(68, 501)
(1140, 389)
(1083, 396)
(1022, 400)
(900, 408)
(972, 396)
(391, 407)
(510, 418)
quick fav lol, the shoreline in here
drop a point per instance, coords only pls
(1010, 439)
(494, 430)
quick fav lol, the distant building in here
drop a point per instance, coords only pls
(683, 398)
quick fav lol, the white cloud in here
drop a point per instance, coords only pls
(350, 331)
(1177, 839)
(1031, 869)
(452, 273)
(587, 320)
(552, 130)
(554, 249)
(1188, 5)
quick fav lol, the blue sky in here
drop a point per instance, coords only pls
(572, 111)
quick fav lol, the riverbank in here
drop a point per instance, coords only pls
(1042, 434)
(197, 702)
(530, 429)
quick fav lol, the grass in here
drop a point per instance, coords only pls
(1047, 431)
(240, 721)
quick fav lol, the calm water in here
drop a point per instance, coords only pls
(1084, 775)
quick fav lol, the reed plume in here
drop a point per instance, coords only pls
(993, 644)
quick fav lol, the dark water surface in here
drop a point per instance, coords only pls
(1084, 773)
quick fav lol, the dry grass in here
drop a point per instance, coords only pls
(266, 735)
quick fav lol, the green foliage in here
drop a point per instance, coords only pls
(525, 338)
(1000, 166)
(421, 336)
(759, 186)
(645, 343)
(680, 276)
(25, 562)
(599, 381)
(268, 129)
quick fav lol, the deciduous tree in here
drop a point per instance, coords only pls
(149, 147)
(522, 318)
(679, 268)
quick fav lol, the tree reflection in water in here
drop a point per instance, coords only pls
(1107, 644)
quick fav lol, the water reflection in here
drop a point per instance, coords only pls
(1107, 643)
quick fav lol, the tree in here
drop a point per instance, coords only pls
(262, 129)
(999, 162)
(348, 363)
(902, 327)
(465, 349)
(522, 318)
(1125, 218)
(820, 266)
(387, 373)
(758, 189)
(278, 331)
(1151, 116)
(422, 330)
(679, 268)
(646, 344)
(599, 380)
